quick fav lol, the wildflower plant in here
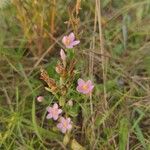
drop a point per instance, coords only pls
(65, 108)
(111, 113)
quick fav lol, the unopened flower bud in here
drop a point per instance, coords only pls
(62, 55)
(70, 103)
(40, 98)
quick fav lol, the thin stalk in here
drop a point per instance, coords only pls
(98, 8)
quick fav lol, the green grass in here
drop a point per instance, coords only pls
(117, 115)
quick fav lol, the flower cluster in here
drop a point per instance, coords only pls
(54, 113)
(84, 87)
(65, 69)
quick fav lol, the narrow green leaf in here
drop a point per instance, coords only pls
(123, 134)
(140, 136)
(34, 121)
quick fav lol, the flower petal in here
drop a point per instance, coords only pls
(55, 106)
(69, 46)
(91, 87)
(55, 117)
(85, 91)
(49, 116)
(63, 130)
(75, 43)
(59, 125)
(64, 39)
(49, 109)
(81, 82)
(89, 82)
(68, 120)
(59, 111)
(69, 126)
(71, 36)
(78, 89)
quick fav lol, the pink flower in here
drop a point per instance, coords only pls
(85, 87)
(40, 98)
(69, 41)
(62, 55)
(64, 125)
(53, 112)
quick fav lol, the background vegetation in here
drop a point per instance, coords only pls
(114, 52)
